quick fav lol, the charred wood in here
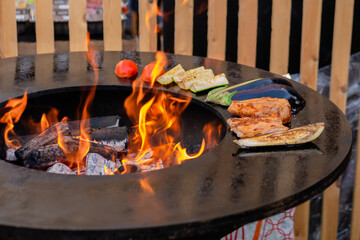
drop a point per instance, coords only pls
(46, 137)
(95, 164)
(116, 133)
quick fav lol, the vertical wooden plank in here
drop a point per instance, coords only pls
(355, 220)
(301, 221)
(309, 62)
(77, 25)
(8, 29)
(344, 11)
(44, 26)
(247, 32)
(112, 25)
(310, 42)
(147, 25)
(184, 18)
(280, 35)
(217, 11)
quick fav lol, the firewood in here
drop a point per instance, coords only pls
(10, 155)
(46, 137)
(117, 133)
(44, 156)
(72, 144)
(96, 122)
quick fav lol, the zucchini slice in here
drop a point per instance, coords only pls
(204, 84)
(167, 77)
(293, 136)
(199, 76)
(179, 77)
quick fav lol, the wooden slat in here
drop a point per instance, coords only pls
(310, 42)
(301, 221)
(280, 35)
(44, 26)
(247, 32)
(309, 62)
(112, 25)
(8, 29)
(216, 29)
(344, 11)
(183, 36)
(147, 25)
(77, 25)
(355, 221)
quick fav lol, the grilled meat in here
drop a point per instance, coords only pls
(250, 127)
(262, 107)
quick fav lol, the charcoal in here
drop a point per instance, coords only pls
(59, 168)
(10, 155)
(95, 164)
(46, 137)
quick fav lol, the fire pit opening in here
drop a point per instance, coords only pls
(109, 121)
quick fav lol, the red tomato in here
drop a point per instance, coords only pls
(146, 73)
(126, 69)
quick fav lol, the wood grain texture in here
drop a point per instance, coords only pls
(355, 220)
(147, 26)
(183, 36)
(309, 62)
(216, 46)
(112, 25)
(344, 11)
(8, 29)
(77, 25)
(44, 26)
(301, 221)
(310, 42)
(280, 36)
(247, 32)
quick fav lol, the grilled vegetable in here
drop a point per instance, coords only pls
(181, 76)
(223, 95)
(298, 135)
(224, 98)
(167, 77)
(187, 82)
(204, 84)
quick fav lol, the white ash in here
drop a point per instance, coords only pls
(117, 144)
(60, 168)
(95, 164)
(10, 154)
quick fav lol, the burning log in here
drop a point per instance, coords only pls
(118, 133)
(95, 164)
(60, 168)
(44, 156)
(72, 145)
(45, 138)
(97, 122)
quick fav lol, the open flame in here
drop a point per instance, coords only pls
(155, 116)
(16, 109)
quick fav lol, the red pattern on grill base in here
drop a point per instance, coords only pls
(280, 226)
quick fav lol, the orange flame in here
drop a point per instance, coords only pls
(156, 122)
(17, 107)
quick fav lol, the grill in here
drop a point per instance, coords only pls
(210, 196)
